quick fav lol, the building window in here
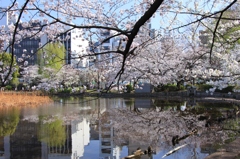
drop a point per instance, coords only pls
(106, 33)
(105, 48)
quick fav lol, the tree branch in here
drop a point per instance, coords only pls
(13, 41)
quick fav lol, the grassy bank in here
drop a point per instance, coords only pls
(20, 99)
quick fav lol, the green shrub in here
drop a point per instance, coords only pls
(66, 90)
(181, 87)
(52, 90)
(225, 90)
(169, 87)
(129, 88)
(8, 87)
(204, 87)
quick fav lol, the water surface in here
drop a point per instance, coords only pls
(104, 128)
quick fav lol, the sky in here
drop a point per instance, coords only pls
(4, 3)
(155, 22)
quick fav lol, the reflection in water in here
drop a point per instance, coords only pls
(52, 133)
(80, 137)
(115, 128)
(9, 119)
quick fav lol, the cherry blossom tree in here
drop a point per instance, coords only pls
(31, 76)
(66, 77)
(224, 63)
(167, 60)
(126, 19)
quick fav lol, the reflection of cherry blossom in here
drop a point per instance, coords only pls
(149, 127)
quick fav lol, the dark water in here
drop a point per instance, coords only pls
(104, 128)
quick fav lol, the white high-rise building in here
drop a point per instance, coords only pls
(6, 19)
(76, 46)
(79, 47)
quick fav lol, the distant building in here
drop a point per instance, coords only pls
(24, 49)
(107, 45)
(76, 46)
(145, 87)
(27, 47)
(112, 44)
(6, 19)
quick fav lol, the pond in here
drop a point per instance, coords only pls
(114, 128)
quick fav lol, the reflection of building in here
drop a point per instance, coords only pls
(4, 147)
(59, 151)
(107, 148)
(1, 147)
(30, 144)
(25, 142)
(80, 137)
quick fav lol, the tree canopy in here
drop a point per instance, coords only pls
(52, 55)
